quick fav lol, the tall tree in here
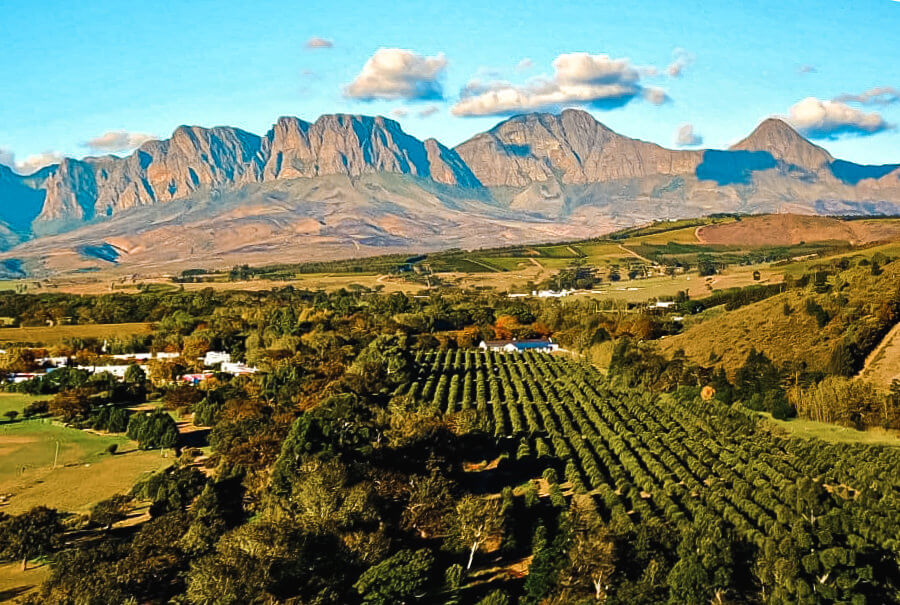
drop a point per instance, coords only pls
(474, 522)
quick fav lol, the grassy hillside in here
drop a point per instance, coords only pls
(784, 329)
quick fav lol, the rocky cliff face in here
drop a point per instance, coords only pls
(571, 146)
(543, 164)
(205, 158)
(356, 145)
(159, 171)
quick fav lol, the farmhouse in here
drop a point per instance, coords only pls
(542, 345)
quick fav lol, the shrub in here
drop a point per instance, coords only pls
(153, 430)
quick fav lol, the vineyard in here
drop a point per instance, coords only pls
(811, 521)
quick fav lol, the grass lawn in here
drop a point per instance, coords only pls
(84, 474)
(17, 402)
(686, 235)
(599, 252)
(50, 335)
(833, 433)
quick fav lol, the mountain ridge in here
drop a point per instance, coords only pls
(567, 168)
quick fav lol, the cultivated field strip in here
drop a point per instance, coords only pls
(639, 455)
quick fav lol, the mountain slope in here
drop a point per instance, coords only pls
(571, 146)
(568, 171)
(211, 158)
(292, 220)
(784, 143)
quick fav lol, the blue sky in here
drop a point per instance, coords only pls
(74, 71)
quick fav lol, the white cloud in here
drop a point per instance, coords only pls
(807, 69)
(820, 119)
(114, 141)
(880, 95)
(525, 64)
(33, 163)
(399, 112)
(317, 42)
(394, 73)
(680, 59)
(578, 79)
(686, 137)
(654, 95)
(7, 157)
(428, 111)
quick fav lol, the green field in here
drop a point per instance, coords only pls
(686, 235)
(15, 402)
(84, 474)
(832, 433)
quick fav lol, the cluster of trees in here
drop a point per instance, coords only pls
(372, 461)
(848, 402)
(153, 430)
(577, 276)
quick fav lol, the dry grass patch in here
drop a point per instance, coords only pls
(50, 335)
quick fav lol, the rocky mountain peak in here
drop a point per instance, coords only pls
(572, 147)
(784, 143)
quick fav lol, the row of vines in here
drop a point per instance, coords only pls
(822, 521)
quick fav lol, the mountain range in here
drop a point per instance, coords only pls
(349, 185)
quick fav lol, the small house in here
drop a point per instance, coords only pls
(539, 345)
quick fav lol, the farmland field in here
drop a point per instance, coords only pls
(84, 472)
(639, 456)
(50, 335)
(15, 401)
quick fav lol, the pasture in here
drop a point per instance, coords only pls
(51, 335)
(16, 402)
(84, 473)
(832, 433)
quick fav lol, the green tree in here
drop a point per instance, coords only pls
(33, 534)
(473, 523)
(591, 557)
(398, 579)
(110, 511)
(153, 430)
(842, 361)
(453, 578)
(266, 562)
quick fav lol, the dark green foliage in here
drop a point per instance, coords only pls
(400, 578)
(545, 566)
(842, 361)
(35, 408)
(61, 379)
(30, 535)
(153, 430)
(578, 276)
(111, 418)
(147, 568)
(207, 410)
(340, 427)
(706, 265)
(269, 562)
(170, 490)
(495, 597)
(111, 510)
